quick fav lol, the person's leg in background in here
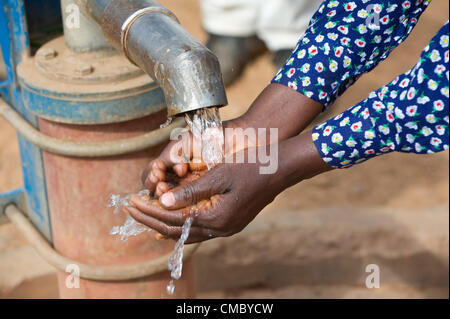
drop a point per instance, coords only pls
(281, 23)
(231, 25)
(235, 28)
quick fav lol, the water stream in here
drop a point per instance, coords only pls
(176, 259)
(206, 127)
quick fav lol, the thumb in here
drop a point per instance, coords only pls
(191, 193)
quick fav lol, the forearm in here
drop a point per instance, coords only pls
(409, 114)
(283, 108)
(298, 160)
(342, 43)
(327, 60)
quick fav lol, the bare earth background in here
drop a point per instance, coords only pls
(317, 237)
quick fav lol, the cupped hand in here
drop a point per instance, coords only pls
(223, 201)
(174, 159)
(277, 107)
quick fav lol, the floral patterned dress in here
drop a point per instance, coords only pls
(348, 38)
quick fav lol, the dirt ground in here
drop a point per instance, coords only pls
(396, 181)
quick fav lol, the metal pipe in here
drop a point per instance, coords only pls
(77, 149)
(85, 37)
(151, 37)
(94, 272)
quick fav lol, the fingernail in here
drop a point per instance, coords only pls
(167, 199)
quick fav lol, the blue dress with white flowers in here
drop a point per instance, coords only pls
(348, 38)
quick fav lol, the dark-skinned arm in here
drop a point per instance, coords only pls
(277, 106)
(238, 192)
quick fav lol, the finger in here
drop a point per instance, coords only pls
(181, 169)
(207, 212)
(155, 176)
(159, 164)
(197, 166)
(153, 223)
(145, 177)
(154, 173)
(165, 154)
(156, 163)
(191, 193)
(151, 181)
(164, 161)
(178, 151)
(175, 155)
(161, 188)
(196, 234)
(158, 174)
(170, 217)
(159, 237)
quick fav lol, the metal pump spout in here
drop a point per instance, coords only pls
(151, 37)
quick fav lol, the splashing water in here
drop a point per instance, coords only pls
(131, 227)
(118, 201)
(167, 123)
(170, 288)
(176, 259)
(206, 127)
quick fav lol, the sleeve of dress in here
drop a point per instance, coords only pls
(344, 40)
(410, 114)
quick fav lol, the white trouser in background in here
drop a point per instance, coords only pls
(279, 23)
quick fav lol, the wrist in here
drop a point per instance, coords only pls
(298, 160)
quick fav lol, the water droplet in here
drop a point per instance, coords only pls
(167, 123)
(170, 288)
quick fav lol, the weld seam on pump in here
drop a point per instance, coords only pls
(93, 272)
(78, 149)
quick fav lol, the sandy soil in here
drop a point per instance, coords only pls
(397, 180)
(394, 181)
